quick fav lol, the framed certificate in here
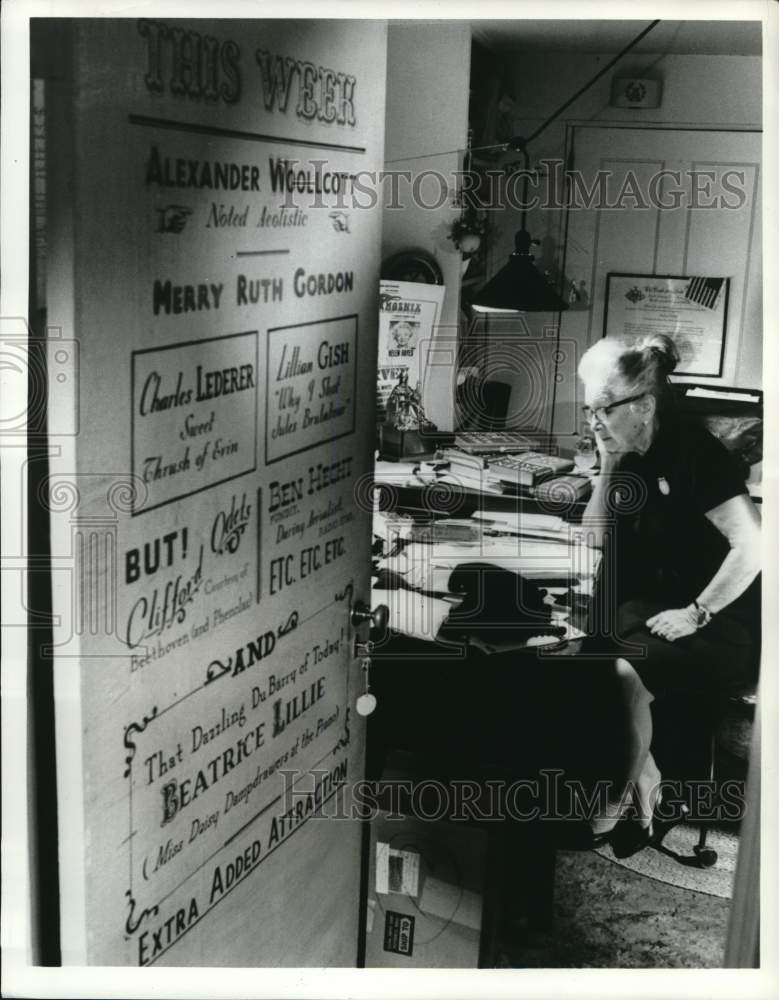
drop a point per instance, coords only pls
(691, 310)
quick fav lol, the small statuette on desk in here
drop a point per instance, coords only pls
(406, 431)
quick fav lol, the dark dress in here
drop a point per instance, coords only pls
(661, 553)
(667, 551)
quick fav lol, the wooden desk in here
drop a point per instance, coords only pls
(465, 738)
(435, 498)
(503, 531)
(468, 714)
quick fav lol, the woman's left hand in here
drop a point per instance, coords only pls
(675, 623)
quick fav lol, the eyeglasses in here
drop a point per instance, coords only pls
(601, 413)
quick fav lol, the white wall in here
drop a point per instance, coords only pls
(711, 90)
(700, 91)
(428, 70)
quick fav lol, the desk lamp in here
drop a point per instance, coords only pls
(518, 286)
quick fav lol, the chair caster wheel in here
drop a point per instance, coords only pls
(707, 856)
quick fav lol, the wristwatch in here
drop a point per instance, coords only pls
(701, 614)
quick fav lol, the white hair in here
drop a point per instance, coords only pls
(644, 364)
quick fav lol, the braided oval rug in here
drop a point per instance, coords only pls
(674, 862)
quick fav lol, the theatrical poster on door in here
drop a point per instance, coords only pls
(208, 545)
(409, 313)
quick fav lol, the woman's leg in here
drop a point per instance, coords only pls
(668, 670)
(643, 775)
(710, 660)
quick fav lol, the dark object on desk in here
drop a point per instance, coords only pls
(499, 607)
(395, 445)
(481, 405)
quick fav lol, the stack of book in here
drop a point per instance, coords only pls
(564, 489)
(468, 470)
(530, 473)
(495, 442)
(527, 470)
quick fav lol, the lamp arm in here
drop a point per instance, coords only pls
(525, 176)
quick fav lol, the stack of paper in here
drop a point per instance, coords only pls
(391, 528)
(470, 464)
(521, 522)
(402, 474)
(740, 395)
(472, 481)
(466, 471)
(427, 567)
(451, 529)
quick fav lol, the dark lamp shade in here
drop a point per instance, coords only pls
(518, 287)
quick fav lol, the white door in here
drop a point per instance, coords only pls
(636, 223)
(212, 301)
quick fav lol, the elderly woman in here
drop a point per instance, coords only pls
(672, 504)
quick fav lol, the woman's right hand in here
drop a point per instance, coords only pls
(609, 459)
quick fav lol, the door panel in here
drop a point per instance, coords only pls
(701, 217)
(218, 292)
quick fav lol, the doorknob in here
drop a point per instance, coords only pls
(379, 617)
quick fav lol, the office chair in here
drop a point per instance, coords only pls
(731, 730)
(690, 738)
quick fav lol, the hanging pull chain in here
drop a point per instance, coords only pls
(366, 703)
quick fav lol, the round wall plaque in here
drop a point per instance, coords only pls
(412, 265)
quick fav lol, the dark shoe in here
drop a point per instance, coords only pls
(630, 838)
(579, 836)
(661, 826)
(601, 839)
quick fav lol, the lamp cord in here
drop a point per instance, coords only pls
(521, 144)
(589, 83)
(517, 142)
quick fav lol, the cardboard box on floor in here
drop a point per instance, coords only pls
(425, 894)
